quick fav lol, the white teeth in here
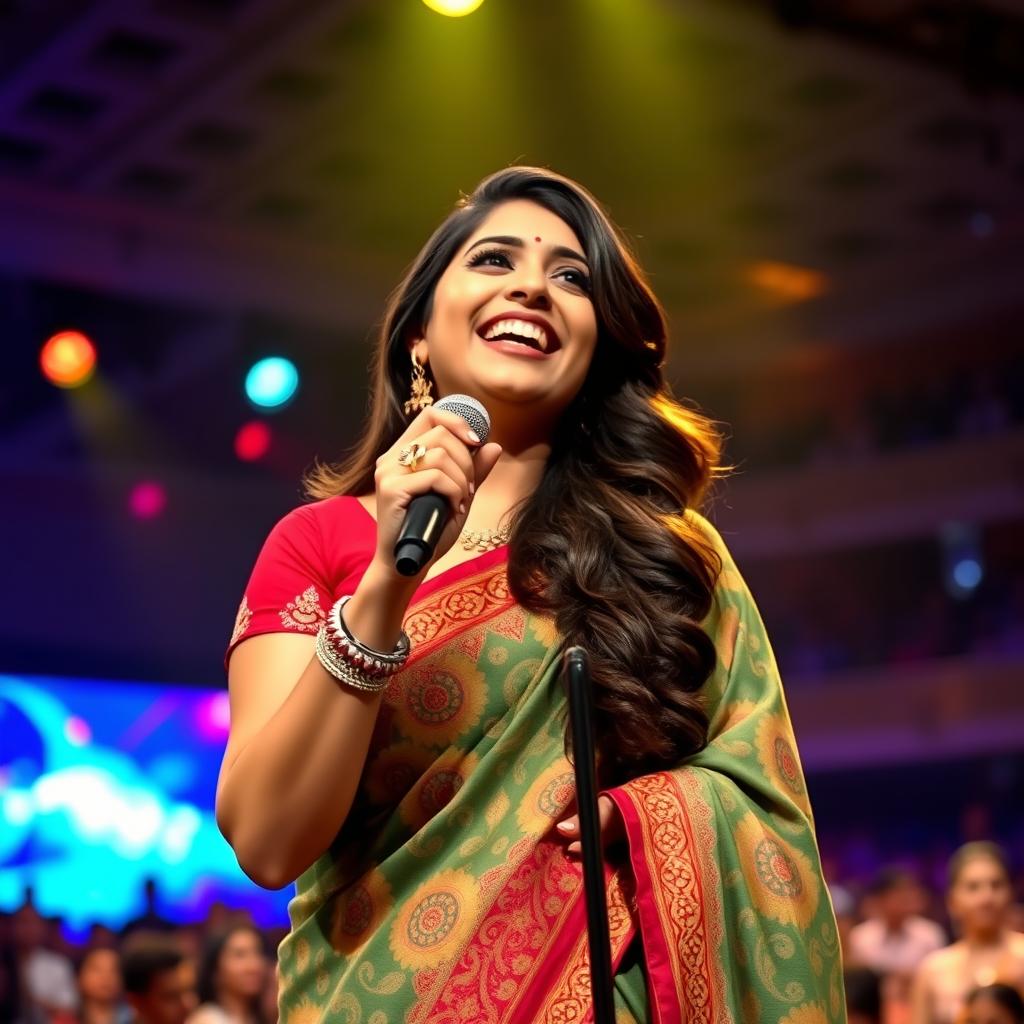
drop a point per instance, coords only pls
(522, 328)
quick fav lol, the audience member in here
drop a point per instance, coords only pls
(45, 979)
(896, 937)
(156, 986)
(994, 1004)
(100, 988)
(232, 977)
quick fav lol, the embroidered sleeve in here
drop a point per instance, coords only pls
(287, 589)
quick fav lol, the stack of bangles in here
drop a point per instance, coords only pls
(352, 662)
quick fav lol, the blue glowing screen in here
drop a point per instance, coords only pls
(105, 784)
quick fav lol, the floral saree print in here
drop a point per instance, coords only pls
(449, 897)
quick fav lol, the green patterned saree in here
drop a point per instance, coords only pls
(448, 895)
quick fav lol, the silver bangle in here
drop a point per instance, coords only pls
(359, 652)
(345, 671)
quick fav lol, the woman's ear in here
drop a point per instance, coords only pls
(418, 346)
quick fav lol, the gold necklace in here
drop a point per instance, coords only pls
(484, 540)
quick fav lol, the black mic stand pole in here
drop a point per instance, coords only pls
(576, 668)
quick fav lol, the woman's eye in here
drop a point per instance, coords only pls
(481, 258)
(489, 254)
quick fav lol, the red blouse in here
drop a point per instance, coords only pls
(312, 556)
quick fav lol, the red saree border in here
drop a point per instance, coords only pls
(528, 957)
(676, 899)
(468, 599)
(571, 998)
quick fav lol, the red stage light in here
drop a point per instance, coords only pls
(252, 441)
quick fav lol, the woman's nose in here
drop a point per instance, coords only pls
(528, 284)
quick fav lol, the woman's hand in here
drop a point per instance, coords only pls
(454, 466)
(612, 827)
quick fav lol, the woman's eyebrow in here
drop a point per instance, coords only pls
(517, 243)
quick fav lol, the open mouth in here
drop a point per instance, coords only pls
(517, 331)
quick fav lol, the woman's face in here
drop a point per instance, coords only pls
(980, 896)
(529, 280)
(243, 967)
(100, 976)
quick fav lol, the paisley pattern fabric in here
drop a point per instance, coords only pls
(448, 896)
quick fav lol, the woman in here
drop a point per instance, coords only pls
(231, 978)
(424, 805)
(987, 952)
(99, 989)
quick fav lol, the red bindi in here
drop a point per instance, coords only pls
(537, 238)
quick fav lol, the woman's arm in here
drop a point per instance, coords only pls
(920, 995)
(299, 738)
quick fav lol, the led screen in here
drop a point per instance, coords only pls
(104, 784)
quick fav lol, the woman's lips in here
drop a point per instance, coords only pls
(513, 348)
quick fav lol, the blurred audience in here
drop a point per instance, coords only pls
(979, 894)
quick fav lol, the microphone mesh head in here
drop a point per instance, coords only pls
(470, 410)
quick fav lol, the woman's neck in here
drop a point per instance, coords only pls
(98, 1011)
(982, 940)
(516, 475)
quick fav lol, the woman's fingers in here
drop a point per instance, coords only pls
(610, 824)
(426, 480)
(432, 417)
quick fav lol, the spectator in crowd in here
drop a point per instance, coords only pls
(994, 1004)
(232, 977)
(895, 938)
(863, 996)
(157, 987)
(45, 980)
(100, 989)
(978, 899)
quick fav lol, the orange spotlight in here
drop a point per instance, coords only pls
(786, 282)
(68, 359)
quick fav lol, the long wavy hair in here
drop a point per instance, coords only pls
(602, 545)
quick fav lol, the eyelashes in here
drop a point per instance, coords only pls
(582, 280)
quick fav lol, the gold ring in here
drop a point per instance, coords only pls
(410, 457)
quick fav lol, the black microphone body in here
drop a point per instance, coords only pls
(428, 514)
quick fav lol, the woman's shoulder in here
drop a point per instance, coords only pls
(208, 1013)
(940, 961)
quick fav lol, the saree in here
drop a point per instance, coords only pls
(448, 895)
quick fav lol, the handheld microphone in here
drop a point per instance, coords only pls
(428, 514)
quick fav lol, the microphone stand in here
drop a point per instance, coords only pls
(576, 670)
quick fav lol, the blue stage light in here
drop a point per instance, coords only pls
(271, 382)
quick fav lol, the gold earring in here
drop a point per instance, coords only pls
(421, 396)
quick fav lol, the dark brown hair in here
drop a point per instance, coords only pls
(602, 544)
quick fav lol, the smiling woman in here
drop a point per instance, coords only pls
(424, 804)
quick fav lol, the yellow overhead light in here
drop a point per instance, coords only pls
(453, 8)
